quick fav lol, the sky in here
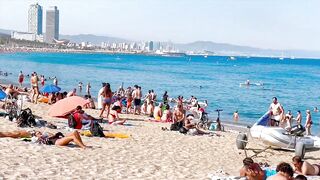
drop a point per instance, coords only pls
(269, 24)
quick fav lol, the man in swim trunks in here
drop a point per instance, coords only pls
(308, 123)
(136, 95)
(35, 88)
(20, 78)
(305, 168)
(276, 111)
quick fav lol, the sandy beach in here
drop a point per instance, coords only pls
(150, 153)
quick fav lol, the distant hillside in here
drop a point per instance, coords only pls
(96, 40)
(230, 49)
(218, 48)
(4, 31)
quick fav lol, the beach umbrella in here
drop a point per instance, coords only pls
(50, 89)
(65, 106)
(2, 94)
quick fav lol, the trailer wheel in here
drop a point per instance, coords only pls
(300, 149)
(241, 141)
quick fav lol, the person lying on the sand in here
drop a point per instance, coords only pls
(284, 172)
(49, 139)
(305, 168)
(251, 170)
(113, 116)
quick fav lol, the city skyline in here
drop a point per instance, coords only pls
(264, 24)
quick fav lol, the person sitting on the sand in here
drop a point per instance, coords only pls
(167, 115)
(72, 93)
(45, 138)
(284, 172)
(113, 117)
(144, 107)
(251, 170)
(157, 113)
(10, 91)
(178, 114)
(150, 109)
(189, 126)
(83, 120)
(304, 167)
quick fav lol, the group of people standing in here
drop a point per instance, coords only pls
(279, 118)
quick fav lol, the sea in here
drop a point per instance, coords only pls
(295, 82)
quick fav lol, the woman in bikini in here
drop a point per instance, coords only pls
(113, 117)
(308, 123)
(107, 99)
(57, 139)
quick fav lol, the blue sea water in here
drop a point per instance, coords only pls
(296, 82)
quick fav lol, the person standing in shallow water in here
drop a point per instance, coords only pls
(236, 116)
(165, 97)
(20, 78)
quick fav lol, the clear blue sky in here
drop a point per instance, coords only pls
(275, 24)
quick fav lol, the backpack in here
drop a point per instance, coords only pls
(96, 129)
(26, 118)
(72, 123)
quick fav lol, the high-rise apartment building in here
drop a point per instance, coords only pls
(52, 24)
(35, 19)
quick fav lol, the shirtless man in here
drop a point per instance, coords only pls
(10, 91)
(55, 81)
(305, 168)
(284, 172)
(157, 113)
(35, 88)
(178, 114)
(88, 89)
(299, 117)
(276, 111)
(136, 95)
(308, 123)
(80, 87)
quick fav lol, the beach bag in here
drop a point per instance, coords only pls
(96, 129)
(72, 123)
(26, 118)
(176, 126)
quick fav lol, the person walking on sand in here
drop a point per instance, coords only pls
(308, 123)
(20, 78)
(35, 88)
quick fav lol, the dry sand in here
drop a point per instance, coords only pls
(149, 153)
